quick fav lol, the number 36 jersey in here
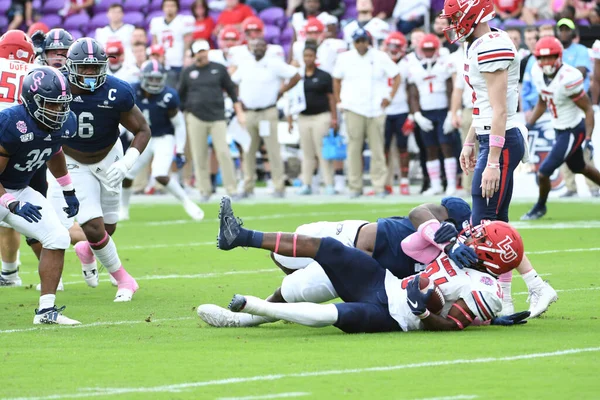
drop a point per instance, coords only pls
(99, 113)
(11, 79)
(480, 291)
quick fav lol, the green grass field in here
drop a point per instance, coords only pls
(156, 347)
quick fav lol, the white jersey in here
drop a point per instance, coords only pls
(299, 22)
(596, 50)
(557, 95)
(122, 34)
(492, 52)
(171, 37)
(128, 73)
(11, 79)
(377, 27)
(480, 291)
(430, 79)
(217, 55)
(459, 82)
(237, 54)
(327, 53)
(399, 104)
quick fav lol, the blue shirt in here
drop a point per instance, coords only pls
(99, 114)
(29, 146)
(576, 55)
(388, 252)
(529, 94)
(156, 109)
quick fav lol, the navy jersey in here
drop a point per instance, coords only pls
(99, 113)
(155, 109)
(388, 252)
(29, 146)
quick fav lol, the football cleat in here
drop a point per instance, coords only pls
(229, 226)
(193, 210)
(90, 276)
(53, 316)
(433, 191)
(10, 279)
(123, 214)
(238, 303)
(125, 293)
(218, 316)
(59, 288)
(536, 212)
(508, 308)
(540, 299)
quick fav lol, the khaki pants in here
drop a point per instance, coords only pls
(312, 130)
(253, 119)
(570, 176)
(359, 127)
(465, 125)
(198, 132)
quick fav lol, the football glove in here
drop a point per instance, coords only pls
(587, 145)
(462, 255)
(417, 300)
(30, 212)
(447, 127)
(514, 319)
(446, 232)
(409, 126)
(179, 160)
(72, 207)
(424, 123)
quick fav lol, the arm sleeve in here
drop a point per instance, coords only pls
(596, 50)
(180, 132)
(574, 83)
(128, 99)
(7, 141)
(495, 54)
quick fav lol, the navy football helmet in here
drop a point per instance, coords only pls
(153, 77)
(56, 39)
(46, 94)
(87, 64)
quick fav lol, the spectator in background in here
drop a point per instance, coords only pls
(383, 8)
(583, 9)
(116, 30)
(595, 87)
(534, 10)
(327, 49)
(174, 32)
(515, 36)
(410, 14)
(228, 37)
(337, 8)
(361, 86)
(139, 54)
(204, 23)
(531, 37)
(378, 29)
(315, 120)
(309, 9)
(508, 9)
(117, 67)
(253, 28)
(20, 11)
(139, 36)
(439, 24)
(234, 14)
(260, 86)
(74, 6)
(529, 94)
(156, 52)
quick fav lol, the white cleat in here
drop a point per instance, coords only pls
(126, 294)
(193, 210)
(123, 214)
(59, 288)
(451, 190)
(433, 191)
(540, 299)
(508, 308)
(218, 316)
(11, 280)
(90, 276)
(53, 316)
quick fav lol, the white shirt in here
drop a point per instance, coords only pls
(399, 104)
(430, 78)
(459, 83)
(596, 50)
(492, 52)
(567, 82)
(128, 73)
(217, 55)
(364, 80)
(377, 27)
(122, 34)
(10, 89)
(327, 53)
(237, 54)
(259, 81)
(407, 10)
(299, 22)
(171, 37)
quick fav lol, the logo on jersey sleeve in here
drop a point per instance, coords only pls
(22, 126)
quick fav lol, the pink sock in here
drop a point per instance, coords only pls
(433, 170)
(505, 278)
(84, 252)
(450, 168)
(505, 281)
(124, 280)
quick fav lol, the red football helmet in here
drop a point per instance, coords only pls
(464, 15)
(548, 51)
(16, 45)
(395, 45)
(253, 27)
(498, 246)
(429, 47)
(229, 37)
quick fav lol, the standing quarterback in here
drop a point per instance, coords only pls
(492, 71)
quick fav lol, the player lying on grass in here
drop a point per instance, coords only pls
(377, 301)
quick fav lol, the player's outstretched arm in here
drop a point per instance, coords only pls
(134, 121)
(457, 319)
(57, 164)
(538, 111)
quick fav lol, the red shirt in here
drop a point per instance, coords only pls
(203, 29)
(507, 6)
(235, 16)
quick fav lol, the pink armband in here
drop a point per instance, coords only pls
(294, 245)
(427, 231)
(6, 199)
(65, 182)
(419, 249)
(277, 242)
(59, 151)
(467, 144)
(460, 325)
(496, 141)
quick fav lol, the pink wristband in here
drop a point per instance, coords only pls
(466, 144)
(6, 199)
(493, 165)
(496, 141)
(277, 242)
(64, 180)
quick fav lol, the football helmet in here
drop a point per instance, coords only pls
(87, 64)
(16, 45)
(546, 47)
(464, 15)
(253, 27)
(429, 47)
(153, 77)
(46, 95)
(498, 246)
(56, 39)
(395, 45)
(229, 37)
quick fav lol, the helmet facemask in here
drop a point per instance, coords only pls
(87, 81)
(51, 112)
(153, 82)
(549, 64)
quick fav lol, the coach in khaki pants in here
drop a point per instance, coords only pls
(260, 86)
(361, 85)
(201, 90)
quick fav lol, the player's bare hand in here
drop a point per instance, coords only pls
(385, 103)
(490, 182)
(456, 121)
(334, 124)
(467, 159)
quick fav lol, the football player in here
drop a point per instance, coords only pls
(55, 47)
(375, 300)
(160, 105)
(430, 89)
(562, 93)
(229, 37)
(327, 48)
(117, 66)
(31, 135)
(95, 155)
(253, 28)
(492, 70)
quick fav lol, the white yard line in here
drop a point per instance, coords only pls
(457, 397)
(95, 392)
(268, 396)
(564, 290)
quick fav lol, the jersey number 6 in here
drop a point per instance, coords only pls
(85, 128)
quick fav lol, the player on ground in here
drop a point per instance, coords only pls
(375, 300)
(31, 135)
(430, 89)
(562, 93)
(492, 70)
(160, 105)
(95, 155)
(327, 48)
